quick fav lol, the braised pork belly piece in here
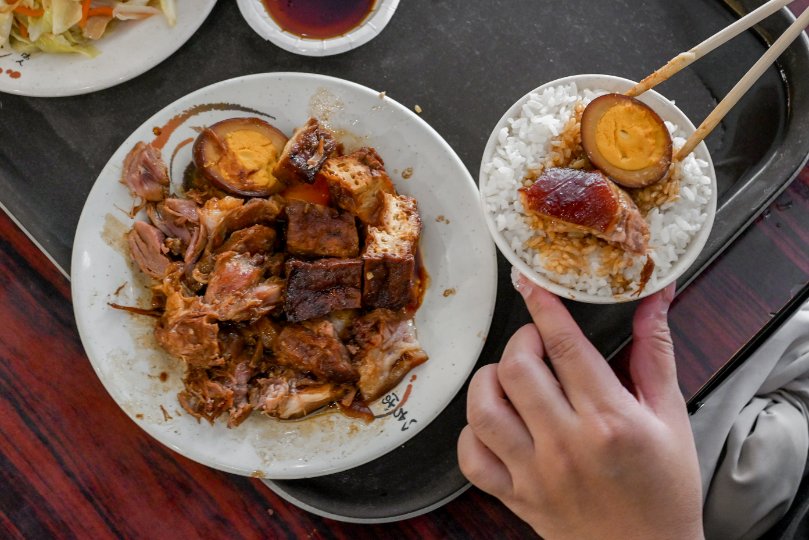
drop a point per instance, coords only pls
(237, 291)
(224, 217)
(317, 288)
(590, 202)
(357, 183)
(314, 347)
(384, 348)
(287, 395)
(214, 210)
(276, 304)
(233, 272)
(304, 153)
(389, 255)
(256, 239)
(253, 212)
(314, 230)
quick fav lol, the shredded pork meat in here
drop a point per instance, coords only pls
(144, 173)
(148, 250)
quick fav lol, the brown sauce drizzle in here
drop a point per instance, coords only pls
(179, 147)
(319, 19)
(162, 133)
(645, 274)
(358, 409)
(189, 176)
(156, 313)
(421, 280)
(405, 397)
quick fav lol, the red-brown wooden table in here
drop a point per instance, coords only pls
(73, 465)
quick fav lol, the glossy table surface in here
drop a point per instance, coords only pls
(73, 465)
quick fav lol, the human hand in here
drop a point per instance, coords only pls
(567, 447)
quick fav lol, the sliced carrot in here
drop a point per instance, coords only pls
(31, 12)
(104, 11)
(317, 193)
(23, 29)
(85, 13)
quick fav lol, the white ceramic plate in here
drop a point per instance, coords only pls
(668, 111)
(452, 322)
(264, 25)
(128, 50)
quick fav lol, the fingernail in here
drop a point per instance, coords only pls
(668, 292)
(662, 301)
(518, 280)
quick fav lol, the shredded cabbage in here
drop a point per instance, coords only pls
(63, 43)
(169, 10)
(38, 26)
(5, 27)
(70, 26)
(65, 14)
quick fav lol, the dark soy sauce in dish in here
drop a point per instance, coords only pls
(319, 19)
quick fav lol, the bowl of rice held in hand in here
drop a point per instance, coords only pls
(582, 194)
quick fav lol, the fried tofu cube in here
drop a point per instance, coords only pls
(357, 183)
(388, 280)
(389, 255)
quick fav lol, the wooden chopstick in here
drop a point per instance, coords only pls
(736, 93)
(685, 59)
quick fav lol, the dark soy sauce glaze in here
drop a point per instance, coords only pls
(319, 19)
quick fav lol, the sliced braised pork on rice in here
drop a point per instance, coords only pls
(287, 303)
(588, 201)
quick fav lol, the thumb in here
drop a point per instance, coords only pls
(651, 363)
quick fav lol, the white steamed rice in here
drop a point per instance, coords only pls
(526, 144)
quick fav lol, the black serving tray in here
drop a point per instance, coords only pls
(463, 62)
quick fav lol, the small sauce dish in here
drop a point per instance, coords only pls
(293, 28)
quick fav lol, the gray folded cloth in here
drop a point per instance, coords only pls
(752, 436)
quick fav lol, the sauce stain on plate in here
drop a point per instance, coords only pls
(319, 19)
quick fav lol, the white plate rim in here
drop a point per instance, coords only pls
(185, 101)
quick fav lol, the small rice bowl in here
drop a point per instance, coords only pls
(541, 131)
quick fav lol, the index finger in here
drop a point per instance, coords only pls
(586, 378)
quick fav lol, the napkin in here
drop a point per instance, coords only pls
(752, 436)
